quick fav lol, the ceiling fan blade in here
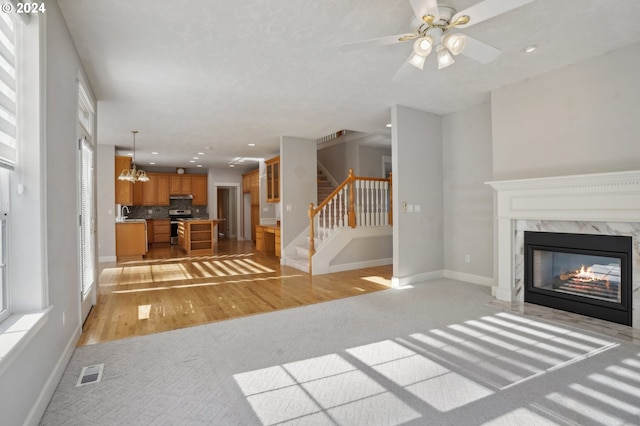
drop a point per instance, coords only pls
(404, 71)
(425, 7)
(382, 41)
(487, 9)
(480, 51)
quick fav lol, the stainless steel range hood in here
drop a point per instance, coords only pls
(181, 197)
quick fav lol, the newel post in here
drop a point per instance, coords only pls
(312, 245)
(352, 212)
(390, 200)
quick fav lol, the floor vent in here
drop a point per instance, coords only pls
(90, 374)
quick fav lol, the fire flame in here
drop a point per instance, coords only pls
(588, 275)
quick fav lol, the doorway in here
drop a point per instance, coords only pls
(227, 212)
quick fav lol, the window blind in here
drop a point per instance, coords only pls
(8, 90)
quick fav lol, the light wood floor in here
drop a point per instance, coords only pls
(169, 290)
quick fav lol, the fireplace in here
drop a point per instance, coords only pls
(582, 273)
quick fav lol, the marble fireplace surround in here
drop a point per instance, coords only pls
(602, 203)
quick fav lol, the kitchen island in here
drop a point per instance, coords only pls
(195, 236)
(131, 239)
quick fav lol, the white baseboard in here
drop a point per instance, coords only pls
(360, 265)
(397, 282)
(469, 278)
(103, 259)
(39, 407)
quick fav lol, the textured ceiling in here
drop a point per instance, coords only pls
(215, 75)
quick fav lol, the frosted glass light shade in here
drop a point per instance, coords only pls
(444, 57)
(455, 43)
(417, 61)
(423, 46)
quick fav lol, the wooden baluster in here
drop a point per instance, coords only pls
(352, 213)
(312, 247)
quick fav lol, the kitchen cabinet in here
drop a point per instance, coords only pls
(138, 187)
(199, 190)
(124, 189)
(150, 239)
(195, 236)
(273, 180)
(131, 239)
(180, 185)
(251, 184)
(161, 231)
(268, 239)
(156, 191)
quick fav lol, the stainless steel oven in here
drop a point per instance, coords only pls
(174, 215)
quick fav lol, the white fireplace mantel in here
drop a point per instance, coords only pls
(601, 200)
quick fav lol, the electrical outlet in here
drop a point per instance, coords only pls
(467, 258)
(64, 318)
(150, 211)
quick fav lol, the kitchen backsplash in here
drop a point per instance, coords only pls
(162, 212)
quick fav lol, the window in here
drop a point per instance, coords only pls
(8, 86)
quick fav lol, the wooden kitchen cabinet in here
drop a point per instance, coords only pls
(268, 239)
(180, 185)
(124, 189)
(251, 184)
(199, 190)
(156, 191)
(161, 231)
(273, 180)
(131, 239)
(138, 187)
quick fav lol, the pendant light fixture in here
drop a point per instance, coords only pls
(134, 175)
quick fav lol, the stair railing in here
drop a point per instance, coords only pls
(356, 202)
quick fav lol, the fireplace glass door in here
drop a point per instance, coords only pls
(582, 273)
(596, 277)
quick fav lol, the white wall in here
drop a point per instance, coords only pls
(339, 158)
(417, 176)
(370, 160)
(579, 119)
(106, 195)
(298, 171)
(468, 202)
(27, 385)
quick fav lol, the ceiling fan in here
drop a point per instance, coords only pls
(435, 29)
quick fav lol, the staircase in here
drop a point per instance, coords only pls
(325, 187)
(300, 260)
(358, 210)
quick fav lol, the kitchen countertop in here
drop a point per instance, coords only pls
(131, 220)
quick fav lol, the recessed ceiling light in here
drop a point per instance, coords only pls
(192, 161)
(232, 165)
(152, 163)
(252, 144)
(389, 125)
(196, 158)
(201, 153)
(154, 153)
(199, 165)
(530, 48)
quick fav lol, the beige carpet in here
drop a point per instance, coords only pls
(434, 354)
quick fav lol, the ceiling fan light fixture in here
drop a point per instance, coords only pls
(455, 43)
(417, 61)
(423, 46)
(444, 57)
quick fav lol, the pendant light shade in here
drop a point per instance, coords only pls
(423, 46)
(134, 175)
(455, 43)
(444, 57)
(417, 61)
